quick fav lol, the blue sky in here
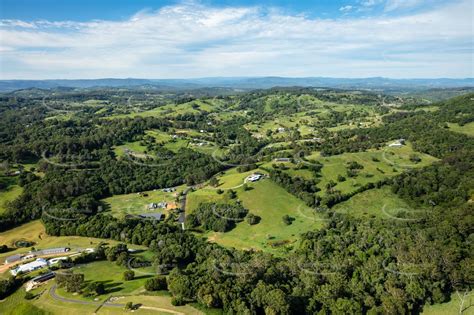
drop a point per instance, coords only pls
(181, 39)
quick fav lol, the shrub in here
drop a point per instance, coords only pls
(29, 296)
(253, 219)
(129, 306)
(177, 301)
(287, 219)
(128, 275)
(341, 178)
(156, 284)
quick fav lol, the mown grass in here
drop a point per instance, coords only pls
(374, 203)
(451, 307)
(467, 129)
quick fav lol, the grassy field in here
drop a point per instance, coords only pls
(320, 111)
(467, 129)
(378, 164)
(9, 194)
(111, 276)
(133, 146)
(380, 203)
(451, 307)
(230, 179)
(172, 110)
(136, 203)
(271, 202)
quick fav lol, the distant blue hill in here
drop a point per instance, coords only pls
(376, 83)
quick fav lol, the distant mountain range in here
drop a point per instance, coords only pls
(376, 83)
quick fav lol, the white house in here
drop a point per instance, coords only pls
(398, 143)
(254, 177)
(53, 261)
(29, 267)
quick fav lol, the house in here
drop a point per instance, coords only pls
(152, 216)
(398, 143)
(53, 261)
(29, 267)
(36, 281)
(168, 189)
(12, 259)
(254, 177)
(282, 160)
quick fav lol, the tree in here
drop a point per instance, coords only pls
(252, 219)
(128, 306)
(214, 182)
(231, 194)
(340, 178)
(94, 288)
(287, 219)
(29, 296)
(69, 281)
(156, 284)
(128, 275)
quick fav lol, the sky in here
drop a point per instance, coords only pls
(58, 39)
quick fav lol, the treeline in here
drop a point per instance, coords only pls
(305, 189)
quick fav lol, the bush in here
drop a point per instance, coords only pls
(128, 275)
(177, 301)
(253, 219)
(156, 284)
(129, 306)
(287, 219)
(29, 296)
(93, 289)
(341, 178)
(231, 194)
(3, 248)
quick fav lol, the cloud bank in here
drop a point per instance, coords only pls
(194, 40)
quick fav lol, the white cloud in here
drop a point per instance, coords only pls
(192, 40)
(346, 8)
(393, 5)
